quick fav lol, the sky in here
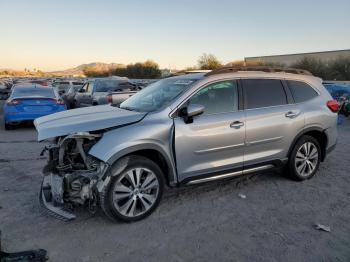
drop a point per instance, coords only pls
(54, 35)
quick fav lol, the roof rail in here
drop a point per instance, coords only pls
(232, 69)
(187, 72)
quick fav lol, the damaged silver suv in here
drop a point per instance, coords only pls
(185, 130)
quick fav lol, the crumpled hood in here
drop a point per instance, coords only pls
(84, 120)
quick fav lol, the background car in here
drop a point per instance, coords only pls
(42, 82)
(5, 90)
(27, 103)
(63, 86)
(96, 92)
(122, 93)
(69, 96)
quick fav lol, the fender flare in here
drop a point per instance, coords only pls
(304, 131)
(171, 176)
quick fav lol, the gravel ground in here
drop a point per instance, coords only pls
(275, 222)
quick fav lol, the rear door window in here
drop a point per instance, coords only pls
(301, 91)
(260, 93)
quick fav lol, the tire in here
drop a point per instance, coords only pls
(304, 159)
(8, 126)
(134, 191)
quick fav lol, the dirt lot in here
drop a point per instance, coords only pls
(203, 223)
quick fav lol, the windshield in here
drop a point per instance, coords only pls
(157, 95)
(33, 92)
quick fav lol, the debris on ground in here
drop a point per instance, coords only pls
(323, 227)
(242, 196)
(38, 255)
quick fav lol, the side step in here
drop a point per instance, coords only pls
(230, 174)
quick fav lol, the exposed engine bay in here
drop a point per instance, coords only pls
(71, 174)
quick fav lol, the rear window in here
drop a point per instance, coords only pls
(107, 85)
(34, 92)
(263, 93)
(126, 86)
(301, 91)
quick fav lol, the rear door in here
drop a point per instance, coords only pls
(214, 141)
(272, 120)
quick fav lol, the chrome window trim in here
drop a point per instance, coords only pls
(171, 114)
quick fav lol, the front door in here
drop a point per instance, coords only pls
(214, 141)
(86, 97)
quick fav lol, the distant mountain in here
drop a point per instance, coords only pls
(79, 70)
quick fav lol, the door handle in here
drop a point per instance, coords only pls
(291, 114)
(236, 124)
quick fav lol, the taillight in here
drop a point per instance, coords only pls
(333, 105)
(109, 99)
(13, 102)
(60, 102)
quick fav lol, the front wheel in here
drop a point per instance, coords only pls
(134, 192)
(305, 158)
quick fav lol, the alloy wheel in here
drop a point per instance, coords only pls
(135, 192)
(306, 159)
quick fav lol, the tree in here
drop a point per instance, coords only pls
(314, 66)
(145, 70)
(92, 71)
(340, 69)
(208, 62)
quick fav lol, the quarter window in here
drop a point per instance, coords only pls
(217, 98)
(263, 93)
(301, 91)
(90, 87)
(85, 87)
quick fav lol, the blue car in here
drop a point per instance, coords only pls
(28, 102)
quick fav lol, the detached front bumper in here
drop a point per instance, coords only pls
(51, 198)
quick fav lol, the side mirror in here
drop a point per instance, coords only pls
(82, 90)
(191, 111)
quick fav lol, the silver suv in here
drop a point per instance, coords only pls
(185, 130)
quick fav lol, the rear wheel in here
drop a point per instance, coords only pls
(134, 192)
(8, 126)
(305, 158)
